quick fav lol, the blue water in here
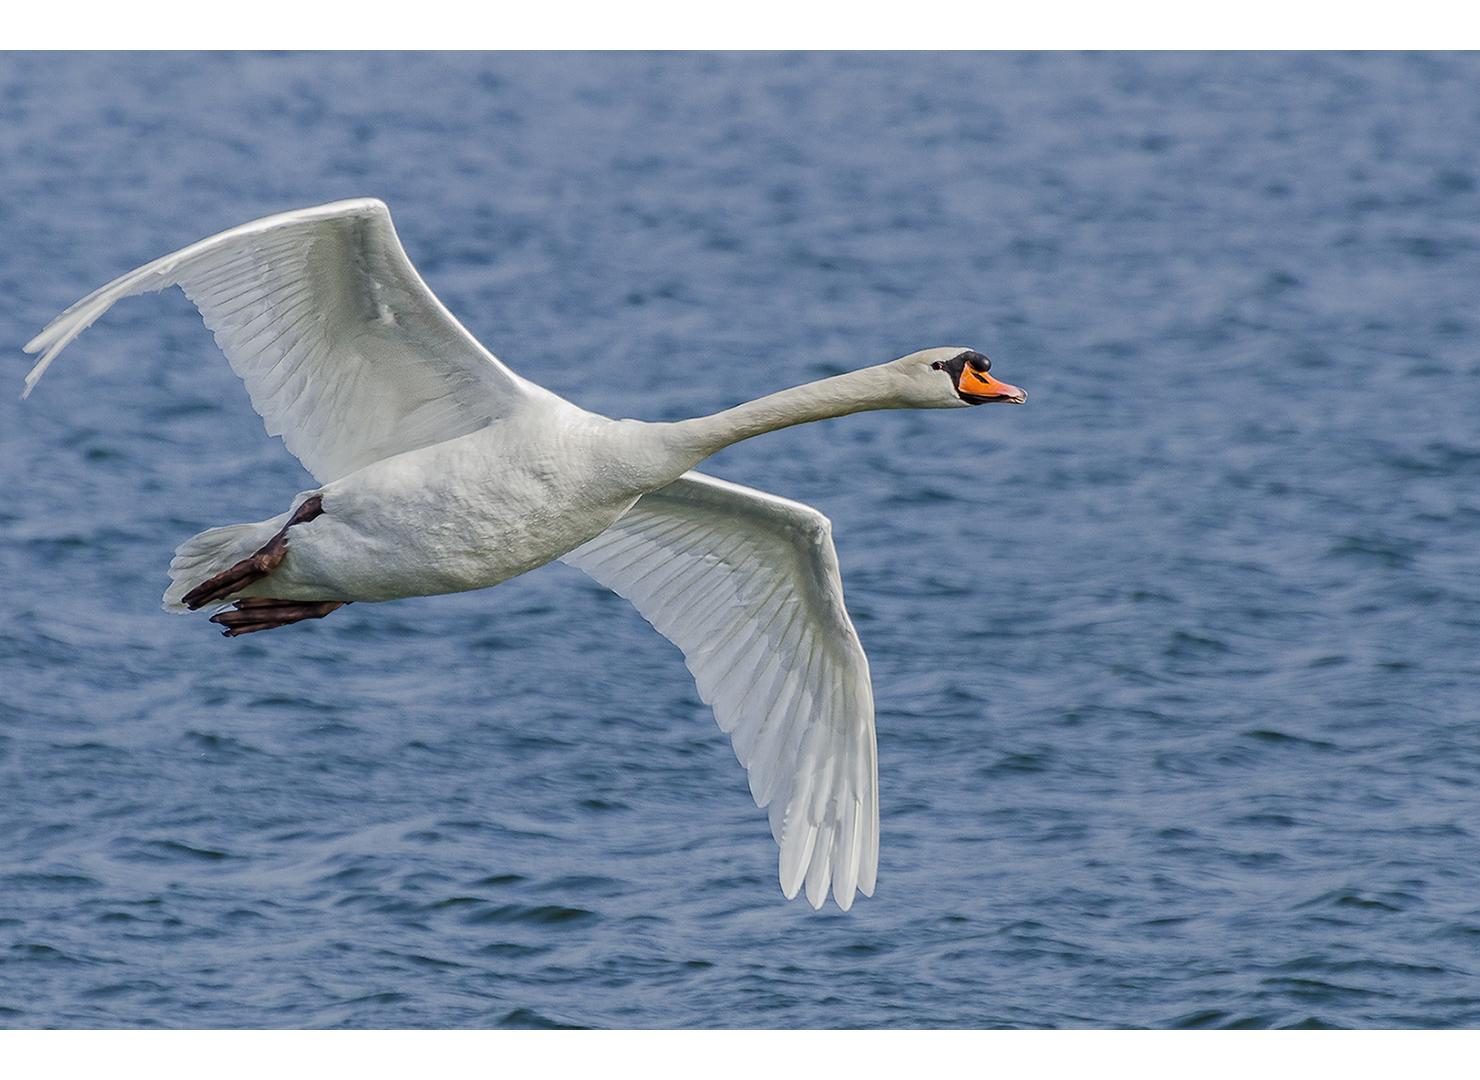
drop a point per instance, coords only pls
(1176, 666)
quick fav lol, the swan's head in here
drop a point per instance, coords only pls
(951, 378)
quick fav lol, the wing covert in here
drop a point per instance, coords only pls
(746, 585)
(344, 350)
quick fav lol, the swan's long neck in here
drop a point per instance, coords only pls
(855, 391)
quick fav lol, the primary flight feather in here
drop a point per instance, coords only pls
(440, 470)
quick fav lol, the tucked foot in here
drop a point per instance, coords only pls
(256, 566)
(255, 613)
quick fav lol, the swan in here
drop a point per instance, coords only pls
(441, 470)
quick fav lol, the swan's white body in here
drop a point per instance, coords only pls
(441, 471)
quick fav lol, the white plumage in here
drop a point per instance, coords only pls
(747, 586)
(441, 470)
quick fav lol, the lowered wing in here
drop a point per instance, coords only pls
(746, 585)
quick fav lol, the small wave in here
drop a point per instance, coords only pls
(432, 961)
(1348, 898)
(500, 879)
(50, 881)
(384, 997)
(511, 951)
(1038, 762)
(45, 954)
(1395, 554)
(584, 883)
(1311, 1023)
(223, 745)
(174, 851)
(544, 914)
(529, 1019)
(112, 990)
(1186, 644)
(1268, 735)
(1219, 1018)
(1318, 990)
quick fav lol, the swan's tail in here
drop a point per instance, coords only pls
(207, 554)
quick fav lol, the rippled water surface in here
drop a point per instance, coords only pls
(1176, 666)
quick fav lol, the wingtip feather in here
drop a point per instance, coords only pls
(69, 325)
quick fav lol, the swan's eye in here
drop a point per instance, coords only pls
(938, 366)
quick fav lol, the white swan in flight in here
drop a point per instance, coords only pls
(441, 470)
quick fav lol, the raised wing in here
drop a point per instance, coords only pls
(345, 351)
(747, 585)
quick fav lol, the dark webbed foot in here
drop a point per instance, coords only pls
(255, 613)
(256, 566)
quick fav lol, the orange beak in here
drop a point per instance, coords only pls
(980, 384)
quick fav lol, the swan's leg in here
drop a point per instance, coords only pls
(255, 613)
(256, 566)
